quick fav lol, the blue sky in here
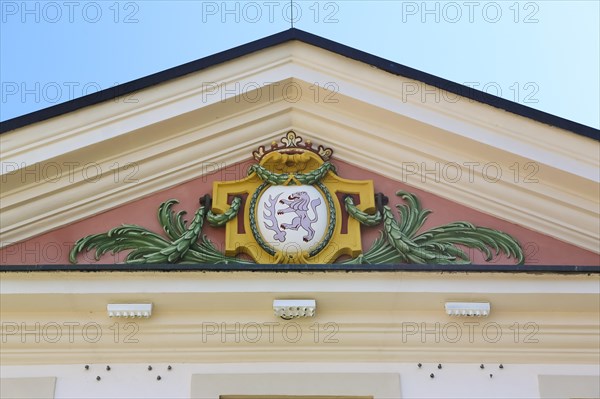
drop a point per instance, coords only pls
(543, 54)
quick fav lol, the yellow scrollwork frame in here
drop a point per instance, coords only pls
(293, 161)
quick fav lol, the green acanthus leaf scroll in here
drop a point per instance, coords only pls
(400, 242)
(184, 243)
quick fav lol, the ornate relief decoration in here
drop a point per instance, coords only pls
(289, 210)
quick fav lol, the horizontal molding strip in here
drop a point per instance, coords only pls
(309, 268)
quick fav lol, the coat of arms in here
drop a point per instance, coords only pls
(293, 208)
(292, 205)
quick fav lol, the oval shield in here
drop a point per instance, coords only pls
(292, 219)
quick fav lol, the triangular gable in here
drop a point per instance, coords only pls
(93, 159)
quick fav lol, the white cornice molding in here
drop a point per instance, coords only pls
(386, 317)
(178, 127)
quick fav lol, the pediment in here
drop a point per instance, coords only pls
(80, 165)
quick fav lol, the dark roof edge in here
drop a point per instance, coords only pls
(536, 269)
(309, 38)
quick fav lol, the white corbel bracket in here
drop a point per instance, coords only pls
(468, 309)
(288, 309)
(129, 310)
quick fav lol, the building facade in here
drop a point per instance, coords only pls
(421, 195)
